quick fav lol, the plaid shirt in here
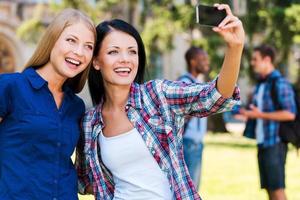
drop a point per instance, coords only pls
(286, 102)
(156, 109)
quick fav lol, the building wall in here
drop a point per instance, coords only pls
(174, 62)
(14, 53)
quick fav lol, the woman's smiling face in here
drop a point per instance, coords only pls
(73, 50)
(118, 58)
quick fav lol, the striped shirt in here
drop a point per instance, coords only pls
(157, 110)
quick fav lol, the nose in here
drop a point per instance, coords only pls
(78, 50)
(124, 57)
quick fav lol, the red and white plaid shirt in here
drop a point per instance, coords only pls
(157, 110)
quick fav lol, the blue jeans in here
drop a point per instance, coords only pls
(193, 158)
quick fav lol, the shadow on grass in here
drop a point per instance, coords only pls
(229, 140)
(230, 144)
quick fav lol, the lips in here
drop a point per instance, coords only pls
(73, 61)
(122, 70)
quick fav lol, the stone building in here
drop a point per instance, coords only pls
(13, 51)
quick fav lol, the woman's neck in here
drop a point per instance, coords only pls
(116, 97)
(55, 82)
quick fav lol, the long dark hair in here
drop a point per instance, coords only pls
(95, 80)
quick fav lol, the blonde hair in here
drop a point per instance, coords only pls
(41, 55)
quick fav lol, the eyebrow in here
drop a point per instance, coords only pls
(78, 38)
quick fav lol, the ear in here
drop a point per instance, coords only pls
(193, 62)
(96, 64)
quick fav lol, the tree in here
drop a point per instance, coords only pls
(275, 22)
(158, 23)
(292, 19)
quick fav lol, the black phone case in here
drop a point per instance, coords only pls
(209, 16)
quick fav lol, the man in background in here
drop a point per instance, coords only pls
(264, 115)
(195, 128)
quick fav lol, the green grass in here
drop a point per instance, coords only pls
(230, 170)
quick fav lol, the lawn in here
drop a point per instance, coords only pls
(230, 170)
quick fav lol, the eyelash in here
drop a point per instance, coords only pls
(133, 52)
(115, 51)
(90, 47)
(112, 52)
(73, 41)
(70, 40)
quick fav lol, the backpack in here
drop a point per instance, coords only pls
(289, 131)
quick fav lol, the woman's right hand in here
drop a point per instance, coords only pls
(231, 28)
(0, 119)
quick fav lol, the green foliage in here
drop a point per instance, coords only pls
(158, 31)
(91, 10)
(31, 30)
(272, 22)
(293, 20)
(32, 24)
(275, 22)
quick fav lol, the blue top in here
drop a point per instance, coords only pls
(286, 102)
(37, 139)
(196, 127)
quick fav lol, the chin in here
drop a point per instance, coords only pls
(70, 74)
(124, 83)
(74, 73)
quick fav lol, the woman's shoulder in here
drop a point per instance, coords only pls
(154, 84)
(76, 98)
(11, 79)
(162, 84)
(280, 80)
(154, 81)
(78, 103)
(90, 110)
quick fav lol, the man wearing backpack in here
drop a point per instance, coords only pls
(197, 65)
(264, 116)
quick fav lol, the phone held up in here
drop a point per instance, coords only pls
(209, 15)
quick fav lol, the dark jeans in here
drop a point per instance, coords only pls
(271, 162)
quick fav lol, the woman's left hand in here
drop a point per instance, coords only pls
(231, 28)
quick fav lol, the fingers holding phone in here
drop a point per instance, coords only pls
(231, 27)
(223, 22)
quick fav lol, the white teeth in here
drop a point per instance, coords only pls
(74, 62)
(122, 69)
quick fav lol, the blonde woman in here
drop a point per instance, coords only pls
(40, 113)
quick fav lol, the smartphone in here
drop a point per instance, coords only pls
(209, 15)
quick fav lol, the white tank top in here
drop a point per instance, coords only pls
(135, 172)
(259, 129)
